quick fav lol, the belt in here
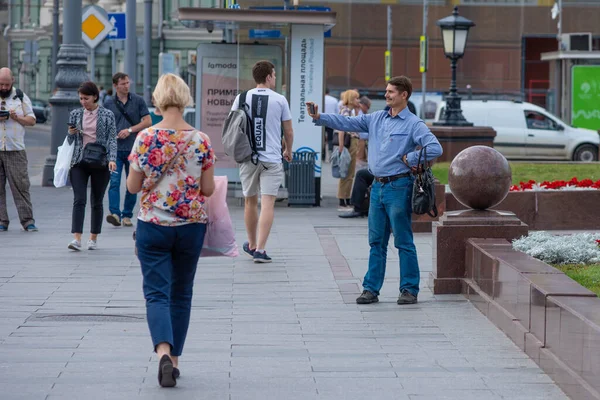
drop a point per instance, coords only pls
(387, 179)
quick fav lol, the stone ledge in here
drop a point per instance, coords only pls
(548, 210)
(552, 318)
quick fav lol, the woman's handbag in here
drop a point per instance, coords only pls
(219, 240)
(347, 139)
(423, 195)
(94, 156)
(63, 163)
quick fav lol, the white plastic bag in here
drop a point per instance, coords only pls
(63, 163)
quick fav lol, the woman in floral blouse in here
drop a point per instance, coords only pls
(172, 165)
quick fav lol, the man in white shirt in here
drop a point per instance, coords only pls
(331, 107)
(13, 159)
(269, 112)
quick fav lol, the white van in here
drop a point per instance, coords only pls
(526, 131)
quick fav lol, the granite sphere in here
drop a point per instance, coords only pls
(479, 177)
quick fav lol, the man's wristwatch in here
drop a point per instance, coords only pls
(129, 130)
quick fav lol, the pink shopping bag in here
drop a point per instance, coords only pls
(219, 240)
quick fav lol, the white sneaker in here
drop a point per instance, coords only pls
(74, 245)
(92, 245)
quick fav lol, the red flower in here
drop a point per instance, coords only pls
(163, 137)
(153, 197)
(555, 185)
(190, 181)
(147, 140)
(183, 211)
(175, 195)
(156, 158)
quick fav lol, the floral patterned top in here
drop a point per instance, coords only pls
(177, 199)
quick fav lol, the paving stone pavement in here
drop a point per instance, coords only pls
(72, 325)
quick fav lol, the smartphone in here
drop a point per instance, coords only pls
(4, 113)
(311, 107)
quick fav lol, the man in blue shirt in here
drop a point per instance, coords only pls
(393, 134)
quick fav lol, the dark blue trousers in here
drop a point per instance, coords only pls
(169, 257)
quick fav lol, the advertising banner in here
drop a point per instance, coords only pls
(219, 80)
(585, 101)
(306, 84)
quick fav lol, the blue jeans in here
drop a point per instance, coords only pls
(114, 191)
(390, 211)
(169, 257)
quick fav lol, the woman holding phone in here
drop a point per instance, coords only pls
(93, 129)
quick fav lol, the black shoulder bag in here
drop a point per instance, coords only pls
(123, 112)
(94, 156)
(423, 195)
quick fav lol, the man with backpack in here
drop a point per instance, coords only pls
(131, 117)
(16, 112)
(262, 172)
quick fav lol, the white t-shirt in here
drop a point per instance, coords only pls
(331, 105)
(268, 110)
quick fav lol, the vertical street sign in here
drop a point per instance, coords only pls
(388, 65)
(118, 31)
(423, 54)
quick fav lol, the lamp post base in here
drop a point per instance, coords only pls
(48, 172)
(453, 115)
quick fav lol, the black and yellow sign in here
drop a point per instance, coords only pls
(388, 65)
(423, 54)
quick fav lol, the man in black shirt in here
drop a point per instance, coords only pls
(131, 116)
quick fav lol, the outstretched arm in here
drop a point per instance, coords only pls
(340, 122)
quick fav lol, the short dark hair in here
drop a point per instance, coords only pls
(402, 83)
(118, 76)
(262, 70)
(326, 90)
(89, 88)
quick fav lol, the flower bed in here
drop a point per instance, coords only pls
(580, 248)
(573, 184)
(577, 255)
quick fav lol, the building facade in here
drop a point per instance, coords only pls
(502, 55)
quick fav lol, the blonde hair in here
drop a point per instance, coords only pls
(349, 97)
(171, 91)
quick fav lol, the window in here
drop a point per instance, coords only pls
(536, 120)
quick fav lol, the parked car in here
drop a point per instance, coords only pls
(526, 131)
(41, 109)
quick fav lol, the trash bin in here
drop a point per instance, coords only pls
(301, 179)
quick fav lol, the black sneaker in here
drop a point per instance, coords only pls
(406, 298)
(261, 257)
(367, 298)
(247, 250)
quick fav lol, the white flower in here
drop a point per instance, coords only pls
(579, 248)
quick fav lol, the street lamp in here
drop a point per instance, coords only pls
(71, 67)
(455, 30)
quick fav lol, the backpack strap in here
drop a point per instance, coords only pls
(242, 105)
(19, 95)
(242, 101)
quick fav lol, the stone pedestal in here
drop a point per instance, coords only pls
(450, 234)
(455, 139)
